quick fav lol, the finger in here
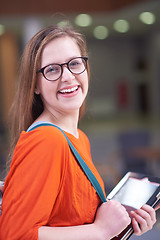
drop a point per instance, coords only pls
(1, 185)
(137, 230)
(150, 211)
(144, 220)
(140, 218)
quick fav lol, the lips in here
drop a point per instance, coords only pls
(68, 90)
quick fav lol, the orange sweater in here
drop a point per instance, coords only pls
(46, 186)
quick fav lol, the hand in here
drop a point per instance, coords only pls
(1, 186)
(111, 219)
(1, 189)
(143, 219)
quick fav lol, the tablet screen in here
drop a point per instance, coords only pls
(135, 192)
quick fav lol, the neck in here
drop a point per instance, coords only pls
(68, 122)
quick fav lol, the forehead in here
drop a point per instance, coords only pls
(60, 50)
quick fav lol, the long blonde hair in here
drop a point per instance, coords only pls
(27, 106)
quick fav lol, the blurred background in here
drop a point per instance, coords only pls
(122, 118)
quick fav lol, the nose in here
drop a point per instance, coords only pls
(67, 75)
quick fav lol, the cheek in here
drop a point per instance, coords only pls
(48, 94)
(45, 87)
(85, 82)
(86, 87)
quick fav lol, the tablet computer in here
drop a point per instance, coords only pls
(133, 191)
(136, 189)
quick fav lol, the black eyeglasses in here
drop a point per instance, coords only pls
(53, 72)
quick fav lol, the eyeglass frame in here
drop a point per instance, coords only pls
(61, 65)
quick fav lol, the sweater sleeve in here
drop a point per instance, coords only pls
(33, 183)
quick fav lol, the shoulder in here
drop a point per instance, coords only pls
(45, 133)
(82, 134)
(48, 139)
(83, 137)
(45, 142)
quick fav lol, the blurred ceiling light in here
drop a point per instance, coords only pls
(83, 20)
(63, 23)
(147, 17)
(2, 29)
(121, 26)
(100, 32)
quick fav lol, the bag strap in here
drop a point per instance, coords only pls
(82, 163)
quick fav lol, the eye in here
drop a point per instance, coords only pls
(52, 69)
(75, 63)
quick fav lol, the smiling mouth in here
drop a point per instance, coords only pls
(69, 90)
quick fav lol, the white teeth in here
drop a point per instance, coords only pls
(69, 90)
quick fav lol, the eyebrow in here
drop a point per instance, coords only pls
(62, 62)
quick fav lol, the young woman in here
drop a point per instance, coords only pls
(46, 193)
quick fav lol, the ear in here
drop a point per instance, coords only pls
(36, 91)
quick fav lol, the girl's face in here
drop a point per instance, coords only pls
(66, 94)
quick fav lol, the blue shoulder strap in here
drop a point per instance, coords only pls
(82, 163)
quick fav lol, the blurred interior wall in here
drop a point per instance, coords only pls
(8, 71)
(154, 76)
